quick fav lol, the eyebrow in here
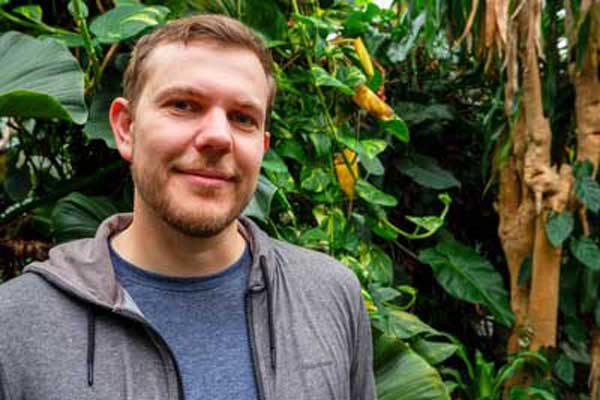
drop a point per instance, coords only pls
(188, 91)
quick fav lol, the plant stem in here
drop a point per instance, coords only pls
(89, 46)
(109, 54)
(238, 6)
(38, 26)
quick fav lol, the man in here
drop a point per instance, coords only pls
(185, 299)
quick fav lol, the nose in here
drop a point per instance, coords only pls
(214, 131)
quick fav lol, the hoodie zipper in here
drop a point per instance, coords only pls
(159, 342)
(260, 389)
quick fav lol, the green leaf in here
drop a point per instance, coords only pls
(379, 265)
(83, 10)
(588, 290)
(429, 222)
(32, 13)
(39, 79)
(586, 188)
(575, 330)
(367, 151)
(401, 324)
(273, 162)
(398, 51)
(583, 169)
(65, 39)
(350, 76)
(373, 147)
(314, 238)
(587, 252)
(525, 271)
(78, 216)
(260, 205)
(98, 125)
(397, 127)
(464, 274)
(434, 352)
(126, 21)
(315, 179)
(321, 143)
(18, 183)
(266, 17)
(558, 227)
(426, 172)
(564, 369)
(323, 78)
(587, 191)
(373, 195)
(292, 149)
(407, 376)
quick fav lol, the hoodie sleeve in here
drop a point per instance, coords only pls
(362, 380)
(4, 395)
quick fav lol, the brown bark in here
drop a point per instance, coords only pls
(594, 378)
(587, 113)
(550, 188)
(516, 228)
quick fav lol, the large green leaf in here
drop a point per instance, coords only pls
(264, 16)
(434, 352)
(401, 324)
(466, 275)
(126, 21)
(558, 227)
(98, 125)
(587, 252)
(407, 376)
(77, 216)
(426, 172)
(39, 79)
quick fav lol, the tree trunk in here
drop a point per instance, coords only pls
(587, 112)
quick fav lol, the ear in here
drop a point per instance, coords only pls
(266, 141)
(121, 122)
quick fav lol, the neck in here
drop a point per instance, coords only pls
(151, 244)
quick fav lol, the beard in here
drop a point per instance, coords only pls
(152, 191)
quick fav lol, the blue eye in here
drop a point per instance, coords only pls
(243, 119)
(181, 105)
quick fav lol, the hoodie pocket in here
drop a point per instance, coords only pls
(320, 381)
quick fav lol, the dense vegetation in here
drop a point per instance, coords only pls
(444, 151)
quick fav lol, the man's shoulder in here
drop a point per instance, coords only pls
(25, 297)
(312, 267)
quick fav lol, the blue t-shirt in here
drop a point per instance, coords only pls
(203, 320)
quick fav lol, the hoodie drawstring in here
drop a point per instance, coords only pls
(91, 348)
(272, 340)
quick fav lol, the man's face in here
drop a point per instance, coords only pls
(198, 135)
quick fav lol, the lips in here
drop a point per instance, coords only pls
(207, 178)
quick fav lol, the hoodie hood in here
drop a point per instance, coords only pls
(83, 267)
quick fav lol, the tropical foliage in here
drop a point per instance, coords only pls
(418, 144)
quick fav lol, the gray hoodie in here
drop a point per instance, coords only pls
(68, 330)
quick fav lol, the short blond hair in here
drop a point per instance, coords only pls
(219, 28)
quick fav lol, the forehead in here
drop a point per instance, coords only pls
(208, 65)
